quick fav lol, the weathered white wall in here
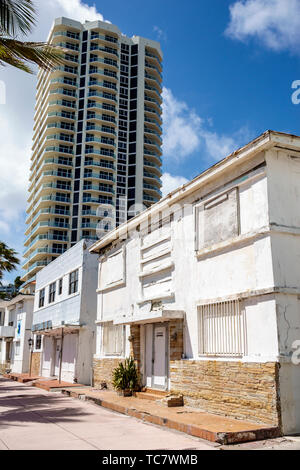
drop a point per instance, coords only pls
(19, 311)
(164, 263)
(78, 308)
(258, 262)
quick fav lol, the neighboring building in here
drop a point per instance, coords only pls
(15, 331)
(97, 138)
(64, 316)
(205, 289)
(8, 291)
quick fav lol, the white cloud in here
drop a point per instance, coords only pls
(161, 35)
(77, 10)
(275, 23)
(186, 133)
(181, 127)
(169, 183)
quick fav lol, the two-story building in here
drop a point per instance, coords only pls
(15, 331)
(203, 288)
(64, 316)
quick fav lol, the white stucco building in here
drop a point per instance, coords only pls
(64, 316)
(203, 288)
(15, 331)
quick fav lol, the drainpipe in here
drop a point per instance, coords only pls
(61, 354)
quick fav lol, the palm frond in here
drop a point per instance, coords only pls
(16, 16)
(18, 53)
(8, 259)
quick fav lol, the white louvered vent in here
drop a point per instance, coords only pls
(222, 330)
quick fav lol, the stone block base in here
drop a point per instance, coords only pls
(248, 391)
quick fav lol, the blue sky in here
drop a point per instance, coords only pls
(228, 70)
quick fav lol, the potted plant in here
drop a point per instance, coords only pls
(125, 377)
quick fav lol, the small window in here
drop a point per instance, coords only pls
(73, 282)
(41, 298)
(60, 286)
(38, 342)
(52, 289)
(222, 329)
(17, 348)
(113, 339)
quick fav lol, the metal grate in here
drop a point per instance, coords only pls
(222, 330)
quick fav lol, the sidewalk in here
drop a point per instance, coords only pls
(33, 419)
(187, 420)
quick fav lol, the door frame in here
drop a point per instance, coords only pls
(166, 326)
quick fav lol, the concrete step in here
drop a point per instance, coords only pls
(151, 394)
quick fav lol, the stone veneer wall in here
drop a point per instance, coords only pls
(246, 391)
(36, 363)
(102, 371)
(176, 339)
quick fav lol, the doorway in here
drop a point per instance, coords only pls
(156, 356)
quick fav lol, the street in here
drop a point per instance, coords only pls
(32, 419)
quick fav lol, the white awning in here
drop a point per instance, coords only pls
(159, 315)
(57, 331)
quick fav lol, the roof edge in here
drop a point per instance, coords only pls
(266, 140)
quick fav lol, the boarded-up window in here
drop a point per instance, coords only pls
(112, 270)
(113, 339)
(222, 329)
(218, 219)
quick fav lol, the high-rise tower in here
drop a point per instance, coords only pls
(97, 138)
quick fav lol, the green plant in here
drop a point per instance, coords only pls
(19, 17)
(8, 259)
(125, 376)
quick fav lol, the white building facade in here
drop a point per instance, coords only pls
(15, 331)
(203, 288)
(64, 316)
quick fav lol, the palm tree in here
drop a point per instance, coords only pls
(8, 259)
(18, 16)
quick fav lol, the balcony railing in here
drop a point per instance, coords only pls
(108, 50)
(101, 164)
(104, 38)
(103, 152)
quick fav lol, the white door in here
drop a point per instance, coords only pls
(149, 354)
(47, 358)
(69, 357)
(159, 379)
(57, 357)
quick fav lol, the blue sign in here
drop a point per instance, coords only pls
(19, 323)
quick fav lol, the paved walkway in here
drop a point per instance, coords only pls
(191, 421)
(31, 418)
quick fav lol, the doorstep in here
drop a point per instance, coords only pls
(188, 420)
(53, 385)
(22, 378)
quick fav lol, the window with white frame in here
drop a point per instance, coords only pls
(113, 339)
(52, 290)
(73, 282)
(222, 329)
(60, 286)
(41, 298)
(38, 342)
